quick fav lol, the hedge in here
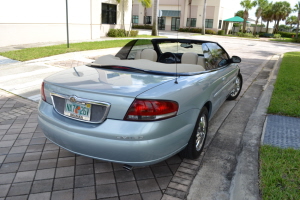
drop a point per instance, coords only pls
(121, 33)
(142, 26)
(197, 30)
(286, 34)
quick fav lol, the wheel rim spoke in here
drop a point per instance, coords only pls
(237, 87)
(201, 133)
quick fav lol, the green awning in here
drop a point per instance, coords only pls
(234, 19)
(170, 13)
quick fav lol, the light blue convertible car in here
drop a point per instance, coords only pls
(152, 100)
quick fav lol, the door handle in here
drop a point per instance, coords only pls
(224, 78)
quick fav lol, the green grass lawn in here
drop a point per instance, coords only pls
(283, 40)
(40, 52)
(279, 173)
(286, 95)
(280, 168)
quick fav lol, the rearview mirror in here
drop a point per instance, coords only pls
(236, 59)
(186, 45)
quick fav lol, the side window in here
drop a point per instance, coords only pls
(214, 55)
(138, 46)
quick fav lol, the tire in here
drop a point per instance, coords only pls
(237, 88)
(198, 137)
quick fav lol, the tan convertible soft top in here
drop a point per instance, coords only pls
(149, 65)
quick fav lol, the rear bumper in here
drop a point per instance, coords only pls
(132, 143)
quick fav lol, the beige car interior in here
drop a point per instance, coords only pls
(147, 60)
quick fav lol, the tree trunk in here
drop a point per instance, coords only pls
(154, 25)
(297, 29)
(276, 26)
(245, 20)
(145, 15)
(254, 30)
(267, 30)
(203, 18)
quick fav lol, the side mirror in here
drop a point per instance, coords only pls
(236, 59)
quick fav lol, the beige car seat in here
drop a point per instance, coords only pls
(148, 54)
(189, 58)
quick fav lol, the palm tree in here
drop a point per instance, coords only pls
(267, 15)
(248, 5)
(291, 20)
(155, 15)
(239, 13)
(146, 4)
(281, 10)
(203, 18)
(297, 9)
(261, 6)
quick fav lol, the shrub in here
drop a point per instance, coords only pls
(133, 33)
(116, 33)
(240, 34)
(208, 31)
(221, 32)
(248, 35)
(296, 40)
(277, 36)
(142, 26)
(196, 30)
(286, 34)
(192, 30)
(121, 33)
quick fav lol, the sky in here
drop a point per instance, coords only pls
(236, 7)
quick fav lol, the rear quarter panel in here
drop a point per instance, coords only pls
(193, 92)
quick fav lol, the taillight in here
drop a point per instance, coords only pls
(151, 110)
(43, 96)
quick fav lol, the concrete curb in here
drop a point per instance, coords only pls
(245, 184)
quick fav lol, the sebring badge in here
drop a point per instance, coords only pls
(73, 99)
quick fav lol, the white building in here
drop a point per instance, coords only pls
(175, 14)
(32, 21)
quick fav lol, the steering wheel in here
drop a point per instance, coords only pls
(167, 57)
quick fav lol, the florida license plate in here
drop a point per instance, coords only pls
(77, 110)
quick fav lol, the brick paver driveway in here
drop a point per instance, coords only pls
(31, 167)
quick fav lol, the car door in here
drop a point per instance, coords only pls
(224, 73)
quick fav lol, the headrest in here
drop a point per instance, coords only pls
(148, 54)
(189, 58)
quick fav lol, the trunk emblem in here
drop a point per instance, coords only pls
(73, 99)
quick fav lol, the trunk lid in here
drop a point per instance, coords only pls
(114, 88)
(106, 81)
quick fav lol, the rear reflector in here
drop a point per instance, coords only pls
(43, 96)
(151, 110)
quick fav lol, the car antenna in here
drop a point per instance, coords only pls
(176, 82)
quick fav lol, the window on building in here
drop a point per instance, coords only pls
(209, 23)
(135, 19)
(109, 13)
(191, 21)
(147, 20)
(220, 24)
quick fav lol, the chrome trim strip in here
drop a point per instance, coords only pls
(82, 101)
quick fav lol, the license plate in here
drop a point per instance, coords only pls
(78, 110)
